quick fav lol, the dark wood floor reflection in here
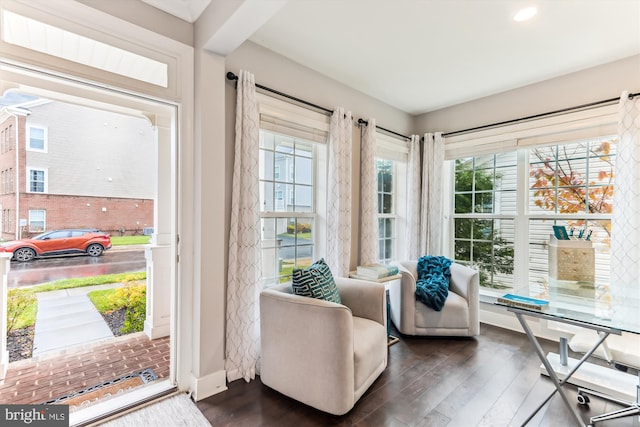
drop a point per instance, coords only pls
(490, 380)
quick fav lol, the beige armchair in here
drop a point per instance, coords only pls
(320, 353)
(459, 316)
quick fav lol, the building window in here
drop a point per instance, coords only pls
(37, 138)
(37, 180)
(386, 210)
(569, 184)
(7, 223)
(288, 229)
(37, 220)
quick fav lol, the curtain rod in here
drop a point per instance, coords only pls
(537, 116)
(366, 123)
(232, 76)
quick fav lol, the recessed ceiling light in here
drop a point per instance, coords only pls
(525, 14)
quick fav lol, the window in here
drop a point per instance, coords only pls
(37, 180)
(386, 210)
(498, 229)
(37, 220)
(484, 216)
(37, 138)
(287, 206)
(7, 181)
(7, 224)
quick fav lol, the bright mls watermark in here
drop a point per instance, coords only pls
(34, 415)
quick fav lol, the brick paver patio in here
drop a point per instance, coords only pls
(50, 376)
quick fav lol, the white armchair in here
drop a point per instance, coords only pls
(458, 317)
(321, 353)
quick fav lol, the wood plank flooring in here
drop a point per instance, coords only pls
(491, 380)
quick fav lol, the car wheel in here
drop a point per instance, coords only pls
(24, 254)
(95, 249)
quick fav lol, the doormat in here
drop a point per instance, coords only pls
(91, 395)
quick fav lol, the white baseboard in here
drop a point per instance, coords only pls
(208, 385)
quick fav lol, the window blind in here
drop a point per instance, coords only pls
(585, 124)
(390, 148)
(289, 119)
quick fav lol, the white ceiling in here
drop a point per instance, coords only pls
(423, 55)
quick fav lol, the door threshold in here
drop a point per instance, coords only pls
(118, 404)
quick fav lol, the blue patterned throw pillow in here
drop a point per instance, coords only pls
(315, 281)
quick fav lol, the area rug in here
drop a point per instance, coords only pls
(173, 411)
(90, 395)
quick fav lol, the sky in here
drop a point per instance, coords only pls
(12, 98)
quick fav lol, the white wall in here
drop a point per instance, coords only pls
(590, 85)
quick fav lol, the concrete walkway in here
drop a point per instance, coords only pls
(68, 318)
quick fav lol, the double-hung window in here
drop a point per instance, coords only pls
(292, 204)
(386, 210)
(391, 162)
(37, 138)
(522, 180)
(37, 180)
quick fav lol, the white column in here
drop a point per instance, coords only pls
(160, 253)
(5, 265)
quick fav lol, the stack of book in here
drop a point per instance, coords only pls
(376, 271)
(523, 302)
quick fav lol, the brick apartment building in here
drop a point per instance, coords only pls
(65, 166)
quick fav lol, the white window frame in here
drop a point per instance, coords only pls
(284, 118)
(44, 220)
(45, 142)
(396, 150)
(46, 180)
(575, 126)
(393, 215)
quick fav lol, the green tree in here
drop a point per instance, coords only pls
(478, 241)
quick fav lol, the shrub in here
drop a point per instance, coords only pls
(18, 302)
(299, 228)
(134, 298)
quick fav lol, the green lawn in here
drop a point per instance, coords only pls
(129, 240)
(27, 316)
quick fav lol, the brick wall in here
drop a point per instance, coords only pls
(104, 213)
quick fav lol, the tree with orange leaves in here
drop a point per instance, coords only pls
(559, 185)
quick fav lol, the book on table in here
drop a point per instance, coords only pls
(376, 271)
(523, 302)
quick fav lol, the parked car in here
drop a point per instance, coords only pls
(59, 242)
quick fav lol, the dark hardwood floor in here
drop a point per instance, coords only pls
(490, 380)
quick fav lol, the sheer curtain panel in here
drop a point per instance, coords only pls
(368, 195)
(244, 270)
(338, 251)
(625, 221)
(414, 194)
(432, 220)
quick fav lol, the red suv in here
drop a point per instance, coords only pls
(59, 242)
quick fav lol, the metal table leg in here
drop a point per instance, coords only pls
(554, 378)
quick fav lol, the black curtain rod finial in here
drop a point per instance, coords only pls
(231, 76)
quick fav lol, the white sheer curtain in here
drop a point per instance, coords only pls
(431, 221)
(414, 195)
(244, 270)
(625, 223)
(368, 195)
(338, 251)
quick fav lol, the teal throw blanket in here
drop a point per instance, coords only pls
(432, 286)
